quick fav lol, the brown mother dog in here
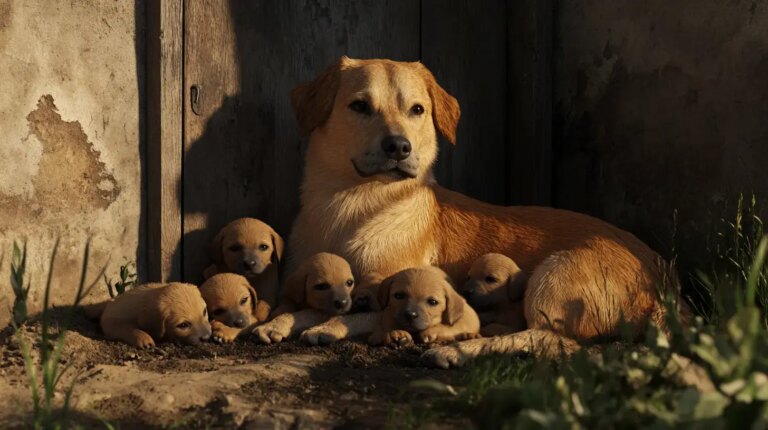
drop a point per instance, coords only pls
(369, 195)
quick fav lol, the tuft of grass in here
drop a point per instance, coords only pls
(45, 371)
(20, 292)
(127, 280)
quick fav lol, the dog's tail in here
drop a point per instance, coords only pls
(93, 311)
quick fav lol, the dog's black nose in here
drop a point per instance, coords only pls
(396, 147)
(239, 323)
(249, 264)
(340, 304)
(411, 315)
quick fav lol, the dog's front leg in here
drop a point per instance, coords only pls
(341, 327)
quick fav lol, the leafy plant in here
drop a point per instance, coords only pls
(127, 280)
(20, 292)
(45, 373)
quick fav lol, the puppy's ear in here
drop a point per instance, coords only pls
(445, 108)
(278, 245)
(153, 320)
(313, 101)
(516, 284)
(454, 306)
(295, 289)
(217, 253)
(254, 297)
(383, 293)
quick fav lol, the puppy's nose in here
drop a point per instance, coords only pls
(396, 147)
(206, 334)
(239, 323)
(249, 264)
(340, 304)
(411, 315)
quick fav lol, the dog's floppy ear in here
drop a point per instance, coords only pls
(516, 284)
(153, 321)
(217, 253)
(445, 108)
(254, 297)
(295, 289)
(313, 101)
(383, 293)
(278, 245)
(454, 305)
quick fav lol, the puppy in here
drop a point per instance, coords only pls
(423, 301)
(154, 312)
(232, 304)
(250, 248)
(319, 289)
(494, 287)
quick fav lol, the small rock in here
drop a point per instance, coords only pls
(167, 398)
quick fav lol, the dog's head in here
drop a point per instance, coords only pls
(230, 299)
(492, 280)
(375, 119)
(323, 282)
(247, 246)
(179, 314)
(419, 298)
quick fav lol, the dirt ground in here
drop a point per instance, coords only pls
(243, 385)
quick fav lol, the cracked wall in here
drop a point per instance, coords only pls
(660, 106)
(69, 139)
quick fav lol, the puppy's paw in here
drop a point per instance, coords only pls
(318, 336)
(398, 337)
(144, 340)
(468, 336)
(445, 357)
(270, 333)
(221, 333)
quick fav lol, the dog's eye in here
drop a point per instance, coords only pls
(236, 247)
(417, 109)
(183, 326)
(263, 247)
(399, 295)
(218, 312)
(431, 301)
(350, 282)
(321, 287)
(244, 300)
(491, 279)
(360, 106)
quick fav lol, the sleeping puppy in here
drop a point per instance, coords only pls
(423, 301)
(319, 289)
(251, 248)
(153, 312)
(494, 287)
(232, 304)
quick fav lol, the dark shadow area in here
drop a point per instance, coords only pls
(140, 44)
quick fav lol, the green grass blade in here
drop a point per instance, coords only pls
(756, 270)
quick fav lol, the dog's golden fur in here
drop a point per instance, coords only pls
(318, 290)
(384, 215)
(494, 287)
(423, 301)
(150, 313)
(251, 248)
(233, 305)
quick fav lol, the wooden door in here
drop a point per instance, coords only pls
(242, 155)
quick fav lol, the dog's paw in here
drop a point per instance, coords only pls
(144, 341)
(445, 357)
(398, 337)
(468, 336)
(270, 333)
(221, 333)
(318, 336)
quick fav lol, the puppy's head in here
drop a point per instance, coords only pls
(420, 298)
(323, 282)
(247, 246)
(230, 299)
(375, 119)
(493, 279)
(180, 314)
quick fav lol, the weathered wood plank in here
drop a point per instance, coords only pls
(243, 154)
(164, 137)
(530, 96)
(464, 44)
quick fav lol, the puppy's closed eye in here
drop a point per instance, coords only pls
(236, 247)
(322, 286)
(244, 300)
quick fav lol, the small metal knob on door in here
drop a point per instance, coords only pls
(195, 94)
